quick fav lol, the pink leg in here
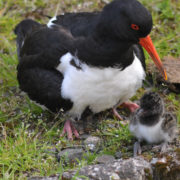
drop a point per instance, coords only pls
(70, 130)
(116, 114)
(131, 106)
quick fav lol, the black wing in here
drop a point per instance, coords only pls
(39, 56)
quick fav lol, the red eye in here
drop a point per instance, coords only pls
(135, 27)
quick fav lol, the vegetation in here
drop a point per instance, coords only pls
(26, 131)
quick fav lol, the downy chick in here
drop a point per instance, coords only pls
(151, 123)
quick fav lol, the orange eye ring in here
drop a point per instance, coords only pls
(135, 27)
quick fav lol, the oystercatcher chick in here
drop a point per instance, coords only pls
(151, 123)
(95, 72)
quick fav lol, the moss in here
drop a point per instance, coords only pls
(178, 153)
(148, 174)
(167, 171)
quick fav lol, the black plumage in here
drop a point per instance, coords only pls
(79, 24)
(38, 58)
(84, 24)
(76, 63)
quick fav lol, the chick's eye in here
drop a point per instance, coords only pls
(135, 27)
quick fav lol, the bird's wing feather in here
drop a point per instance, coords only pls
(169, 124)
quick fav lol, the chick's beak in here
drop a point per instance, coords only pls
(148, 45)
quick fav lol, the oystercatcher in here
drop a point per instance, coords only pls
(62, 69)
(151, 123)
(84, 24)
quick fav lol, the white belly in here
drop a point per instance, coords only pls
(96, 88)
(151, 134)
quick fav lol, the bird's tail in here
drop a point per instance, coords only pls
(22, 30)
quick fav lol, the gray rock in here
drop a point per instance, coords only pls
(84, 136)
(131, 169)
(104, 159)
(70, 155)
(167, 167)
(55, 177)
(93, 143)
(118, 155)
(68, 175)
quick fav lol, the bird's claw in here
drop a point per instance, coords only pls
(130, 105)
(116, 114)
(70, 130)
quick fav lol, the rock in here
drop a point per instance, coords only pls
(93, 143)
(55, 177)
(68, 175)
(118, 155)
(167, 167)
(104, 159)
(172, 67)
(70, 155)
(133, 168)
(162, 167)
(84, 136)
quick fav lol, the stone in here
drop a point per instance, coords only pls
(55, 177)
(70, 155)
(133, 168)
(172, 67)
(104, 159)
(167, 167)
(68, 175)
(118, 155)
(84, 136)
(93, 144)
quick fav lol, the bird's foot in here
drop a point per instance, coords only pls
(164, 147)
(137, 149)
(130, 105)
(116, 114)
(70, 130)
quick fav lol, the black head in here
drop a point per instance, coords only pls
(151, 109)
(151, 101)
(22, 30)
(25, 27)
(125, 20)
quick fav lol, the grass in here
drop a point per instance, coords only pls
(26, 131)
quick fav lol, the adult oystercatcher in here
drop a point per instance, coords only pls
(85, 23)
(151, 123)
(98, 71)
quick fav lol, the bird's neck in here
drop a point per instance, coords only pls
(149, 119)
(102, 51)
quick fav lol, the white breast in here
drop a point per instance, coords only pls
(151, 134)
(98, 88)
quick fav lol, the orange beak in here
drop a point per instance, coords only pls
(148, 45)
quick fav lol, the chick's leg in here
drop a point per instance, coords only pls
(137, 149)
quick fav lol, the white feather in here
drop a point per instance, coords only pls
(98, 88)
(151, 134)
(50, 23)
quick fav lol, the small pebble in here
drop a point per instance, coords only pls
(104, 159)
(93, 143)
